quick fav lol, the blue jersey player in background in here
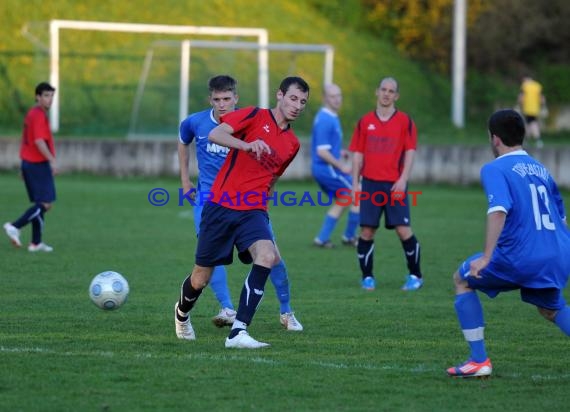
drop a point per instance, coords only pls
(527, 244)
(329, 169)
(223, 98)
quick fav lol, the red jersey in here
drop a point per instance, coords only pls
(243, 182)
(383, 144)
(36, 126)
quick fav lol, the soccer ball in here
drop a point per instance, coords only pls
(109, 290)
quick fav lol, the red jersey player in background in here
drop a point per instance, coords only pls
(38, 167)
(384, 145)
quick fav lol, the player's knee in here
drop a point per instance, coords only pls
(276, 260)
(268, 258)
(547, 314)
(404, 232)
(461, 285)
(367, 233)
(200, 277)
(47, 206)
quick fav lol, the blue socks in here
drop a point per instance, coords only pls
(330, 223)
(327, 228)
(352, 224)
(562, 320)
(470, 315)
(279, 279)
(219, 284)
(281, 282)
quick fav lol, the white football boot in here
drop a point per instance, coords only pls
(243, 341)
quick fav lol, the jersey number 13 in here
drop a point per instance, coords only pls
(541, 220)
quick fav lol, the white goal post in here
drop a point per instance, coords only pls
(185, 59)
(57, 25)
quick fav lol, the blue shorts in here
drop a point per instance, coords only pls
(331, 180)
(492, 285)
(38, 178)
(381, 201)
(221, 229)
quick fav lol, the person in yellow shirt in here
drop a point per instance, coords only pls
(531, 101)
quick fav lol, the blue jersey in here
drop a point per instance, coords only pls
(533, 249)
(210, 156)
(327, 134)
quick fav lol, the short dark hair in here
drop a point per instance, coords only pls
(293, 80)
(44, 87)
(508, 125)
(222, 83)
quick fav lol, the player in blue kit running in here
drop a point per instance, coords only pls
(329, 170)
(527, 244)
(210, 156)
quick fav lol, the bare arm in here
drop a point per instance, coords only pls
(400, 184)
(183, 159)
(222, 135)
(44, 150)
(495, 225)
(357, 162)
(327, 156)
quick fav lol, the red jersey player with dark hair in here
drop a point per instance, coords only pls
(384, 145)
(262, 145)
(38, 167)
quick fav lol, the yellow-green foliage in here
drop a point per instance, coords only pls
(422, 29)
(97, 94)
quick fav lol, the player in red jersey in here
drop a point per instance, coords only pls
(262, 145)
(37, 153)
(384, 145)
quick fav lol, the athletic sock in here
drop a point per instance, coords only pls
(280, 281)
(188, 298)
(327, 228)
(38, 227)
(252, 293)
(29, 215)
(219, 285)
(562, 320)
(411, 248)
(470, 315)
(351, 224)
(365, 253)
(237, 327)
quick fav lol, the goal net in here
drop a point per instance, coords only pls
(176, 75)
(173, 83)
(137, 80)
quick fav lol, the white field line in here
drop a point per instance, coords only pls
(421, 368)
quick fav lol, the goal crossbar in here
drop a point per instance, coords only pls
(57, 25)
(187, 45)
(185, 59)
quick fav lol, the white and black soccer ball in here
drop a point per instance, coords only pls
(109, 290)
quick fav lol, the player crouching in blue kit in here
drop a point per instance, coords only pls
(527, 244)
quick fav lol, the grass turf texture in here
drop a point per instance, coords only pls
(381, 350)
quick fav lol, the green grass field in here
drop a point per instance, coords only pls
(360, 351)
